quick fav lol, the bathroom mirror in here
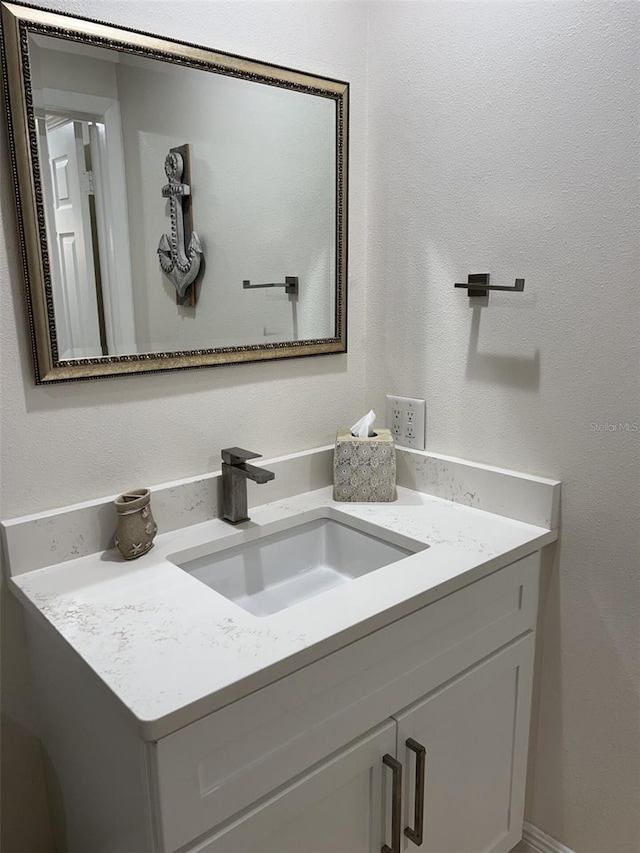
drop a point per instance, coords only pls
(93, 111)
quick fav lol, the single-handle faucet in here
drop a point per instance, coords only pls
(235, 473)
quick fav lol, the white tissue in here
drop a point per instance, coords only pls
(364, 427)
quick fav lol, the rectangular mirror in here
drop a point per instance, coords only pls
(179, 207)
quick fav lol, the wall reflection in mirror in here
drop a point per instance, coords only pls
(263, 193)
(262, 171)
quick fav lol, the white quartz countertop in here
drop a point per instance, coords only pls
(172, 649)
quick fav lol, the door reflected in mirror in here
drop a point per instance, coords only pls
(266, 196)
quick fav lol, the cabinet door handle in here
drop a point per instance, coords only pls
(396, 804)
(416, 833)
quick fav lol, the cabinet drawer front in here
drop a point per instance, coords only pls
(219, 765)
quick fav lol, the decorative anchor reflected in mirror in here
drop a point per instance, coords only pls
(179, 262)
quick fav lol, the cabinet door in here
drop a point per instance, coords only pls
(342, 806)
(475, 731)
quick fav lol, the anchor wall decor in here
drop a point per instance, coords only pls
(179, 262)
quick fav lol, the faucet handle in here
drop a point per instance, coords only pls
(236, 455)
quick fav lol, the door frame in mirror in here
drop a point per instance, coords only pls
(18, 21)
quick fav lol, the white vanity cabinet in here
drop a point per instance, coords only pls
(297, 766)
(473, 732)
(454, 676)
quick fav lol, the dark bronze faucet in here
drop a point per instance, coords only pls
(235, 473)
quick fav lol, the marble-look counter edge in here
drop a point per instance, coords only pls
(470, 566)
(156, 729)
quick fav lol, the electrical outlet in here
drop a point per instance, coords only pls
(406, 417)
(395, 421)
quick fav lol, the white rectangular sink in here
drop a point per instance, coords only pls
(278, 570)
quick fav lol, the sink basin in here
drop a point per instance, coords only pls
(278, 570)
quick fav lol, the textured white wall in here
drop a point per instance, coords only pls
(71, 442)
(504, 138)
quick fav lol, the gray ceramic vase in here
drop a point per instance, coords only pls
(136, 527)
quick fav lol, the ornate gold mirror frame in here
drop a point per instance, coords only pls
(18, 24)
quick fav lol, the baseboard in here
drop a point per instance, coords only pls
(539, 842)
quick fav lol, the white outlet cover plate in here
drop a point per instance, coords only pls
(406, 418)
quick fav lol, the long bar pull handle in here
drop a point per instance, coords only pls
(417, 832)
(396, 804)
